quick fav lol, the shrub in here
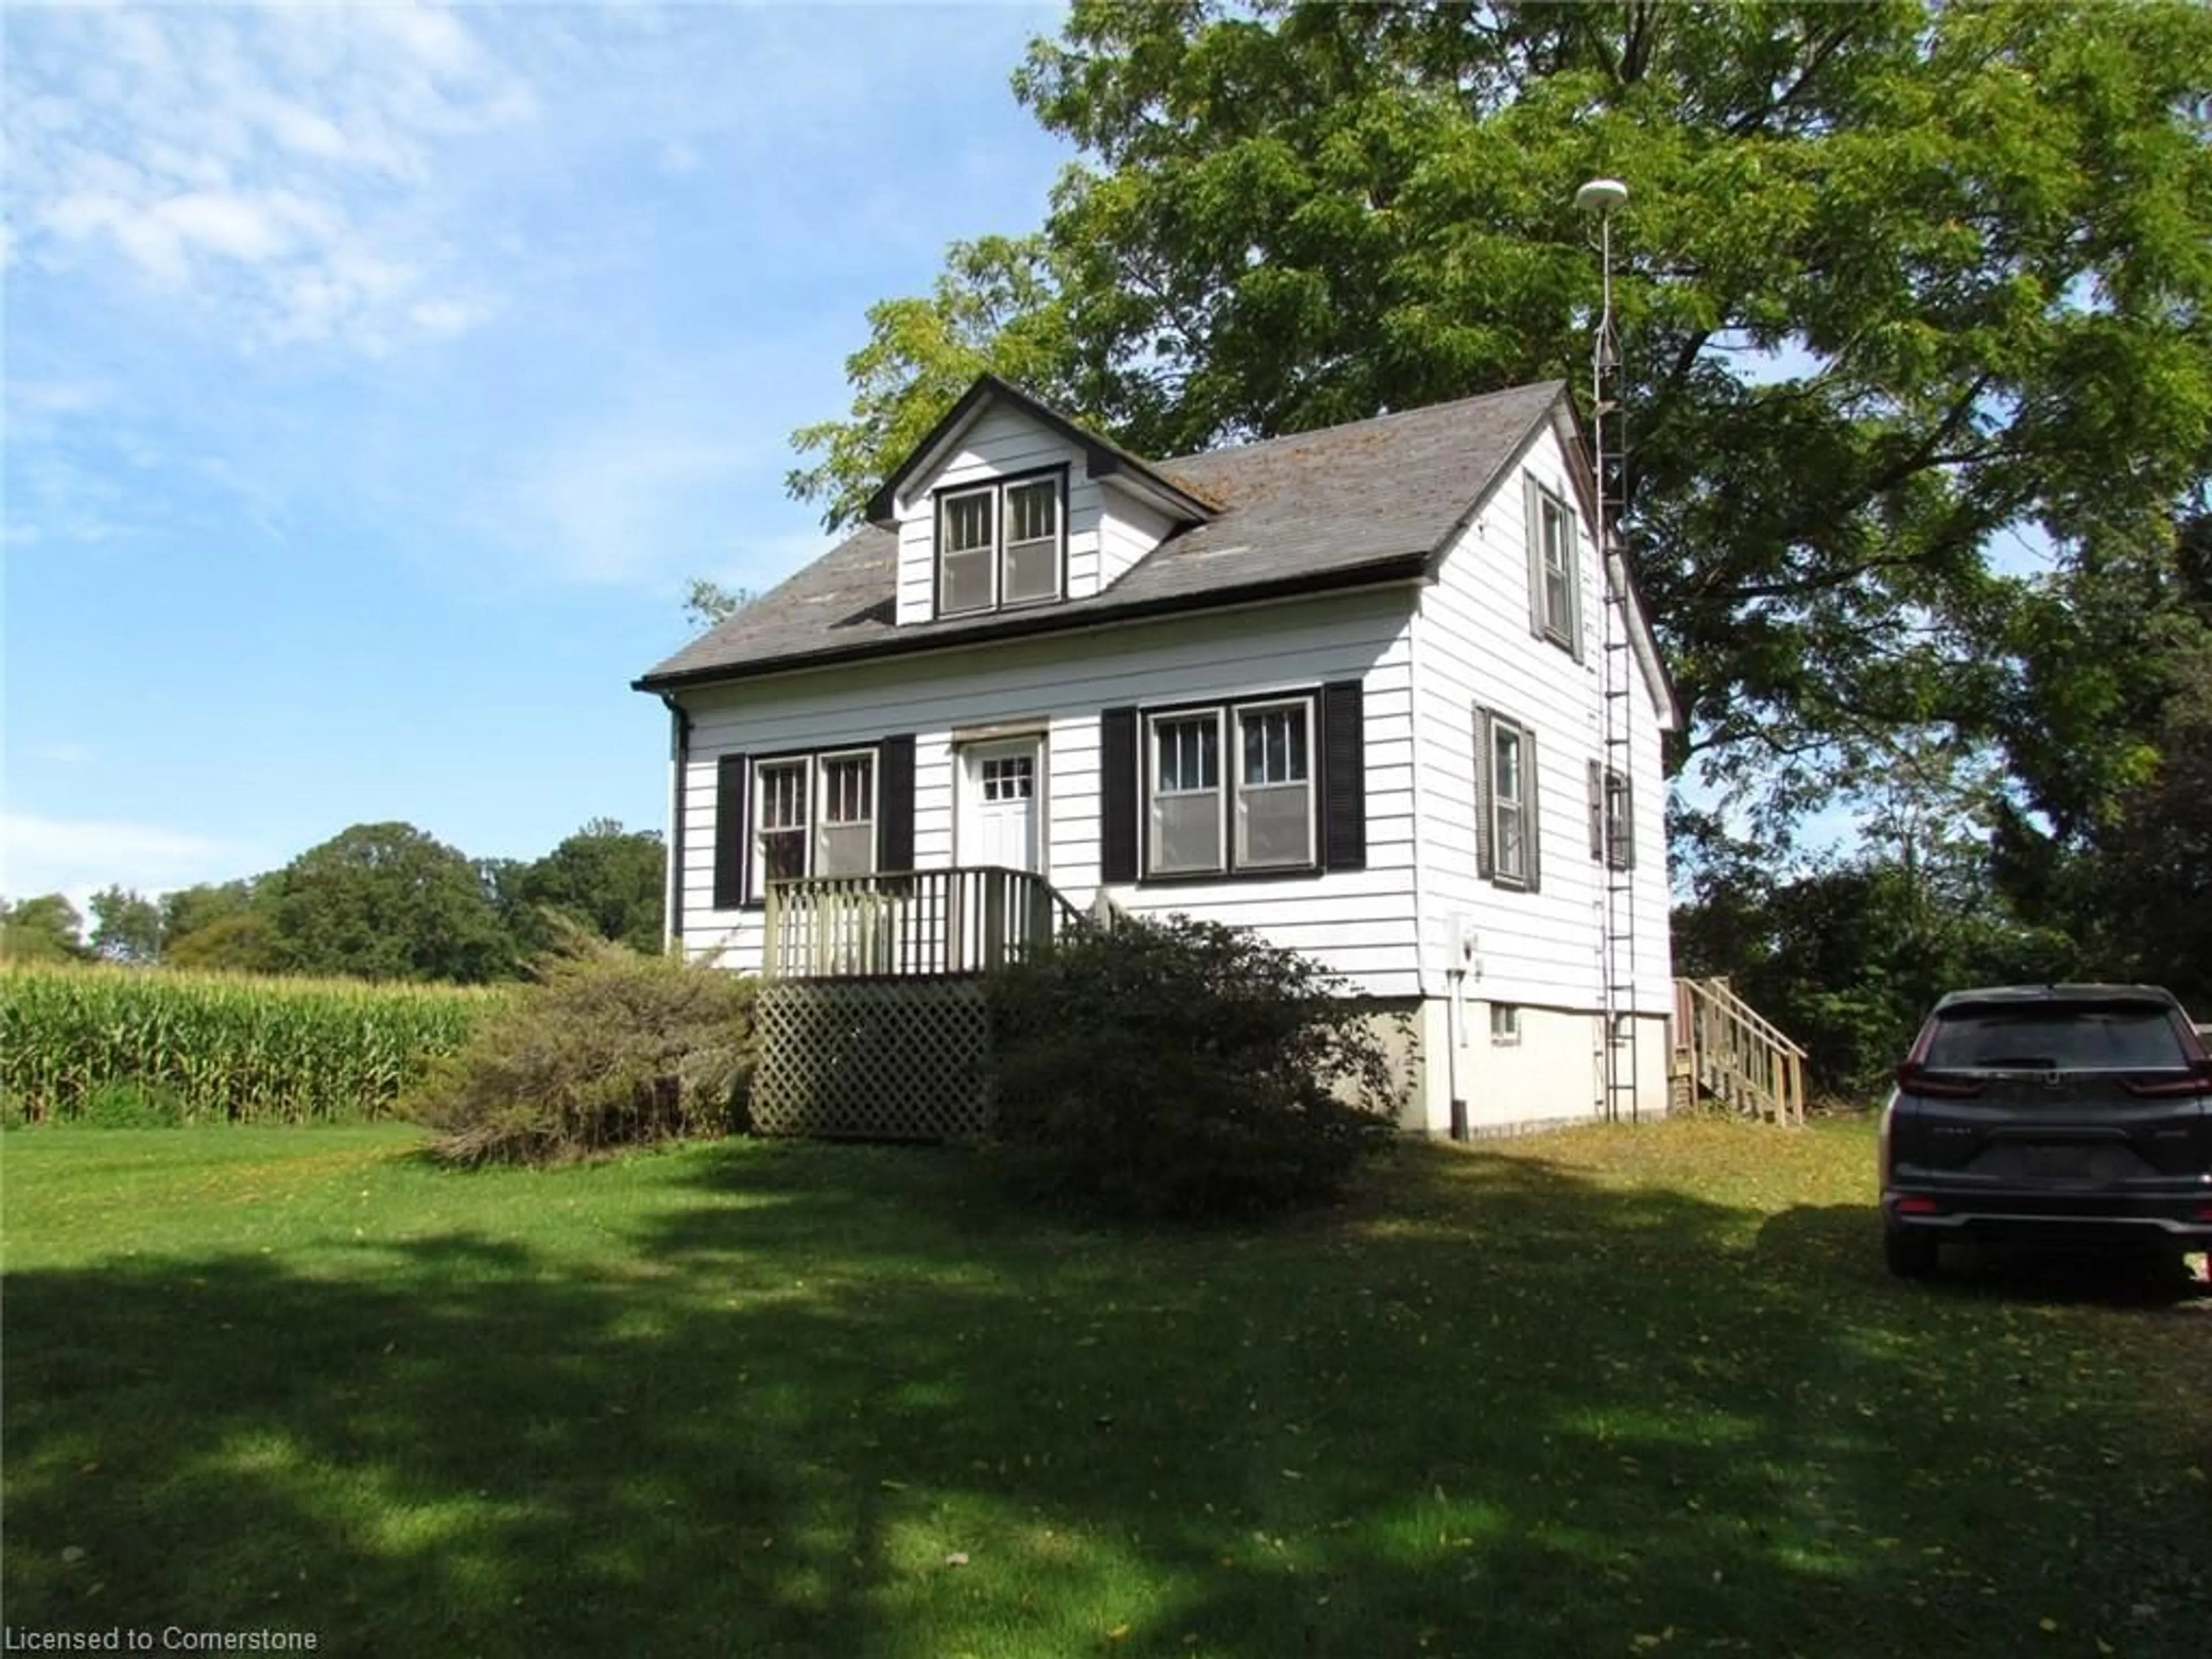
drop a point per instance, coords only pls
(609, 1048)
(132, 1106)
(216, 1047)
(1184, 1068)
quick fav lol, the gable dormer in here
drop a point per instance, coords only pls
(1008, 505)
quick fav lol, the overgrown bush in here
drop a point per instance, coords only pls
(1185, 1068)
(609, 1048)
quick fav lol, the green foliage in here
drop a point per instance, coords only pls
(609, 1049)
(44, 929)
(387, 902)
(610, 880)
(188, 910)
(1848, 957)
(219, 1047)
(1894, 278)
(241, 942)
(130, 1105)
(706, 603)
(126, 926)
(993, 309)
(1185, 1068)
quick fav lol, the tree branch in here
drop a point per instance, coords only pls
(1743, 126)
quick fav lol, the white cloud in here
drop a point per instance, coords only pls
(286, 170)
(79, 857)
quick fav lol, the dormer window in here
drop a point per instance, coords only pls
(1000, 544)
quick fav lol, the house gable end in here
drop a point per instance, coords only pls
(1007, 505)
(1572, 467)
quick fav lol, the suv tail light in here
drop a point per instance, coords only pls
(2197, 1082)
(1915, 1079)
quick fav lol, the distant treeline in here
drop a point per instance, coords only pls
(383, 902)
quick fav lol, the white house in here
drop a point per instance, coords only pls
(1370, 691)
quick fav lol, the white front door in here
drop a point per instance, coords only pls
(1001, 801)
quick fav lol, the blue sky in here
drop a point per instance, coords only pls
(375, 377)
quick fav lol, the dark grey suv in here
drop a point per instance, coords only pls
(2074, 1115)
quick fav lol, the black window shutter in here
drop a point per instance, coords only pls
(1597, 805)
(1532, 813)
(1485, 863)
(731, 836)
(1117, 795)
(895, 803)
(1344, 776)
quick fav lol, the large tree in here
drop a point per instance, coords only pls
(1897, 281)
(604, 878)
(126, 926)
(387, 902)
(47, 928)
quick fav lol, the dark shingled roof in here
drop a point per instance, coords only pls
(1340, 507)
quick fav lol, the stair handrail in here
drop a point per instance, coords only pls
(1724, 996)
(1737, 1025)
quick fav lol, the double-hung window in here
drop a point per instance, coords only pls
(814, 815)
(1275, 792)
(846, 845)
(1256, 813)
(999, 545)
(1612, 816)
(1555, 582)
(1187, 807)
(1508, 850)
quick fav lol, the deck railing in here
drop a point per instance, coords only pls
(968, 920)
(1731, 1051)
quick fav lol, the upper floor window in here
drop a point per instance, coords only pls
(999, 545)
(1555, 582)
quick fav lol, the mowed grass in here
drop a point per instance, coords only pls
(1603, 1392)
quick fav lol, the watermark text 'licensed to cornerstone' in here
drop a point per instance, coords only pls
(169, 1638)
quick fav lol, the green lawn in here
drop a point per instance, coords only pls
(1597, 1393)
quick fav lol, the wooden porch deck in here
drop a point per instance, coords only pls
(966, 919)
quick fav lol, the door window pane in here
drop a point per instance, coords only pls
(1012, 777)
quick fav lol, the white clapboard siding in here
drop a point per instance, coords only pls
(999, 441)
(1128, 531)
(1361, 923)
(1474, 645)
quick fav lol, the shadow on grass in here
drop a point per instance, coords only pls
(1491, 1408)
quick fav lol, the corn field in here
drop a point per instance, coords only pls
(219, 1046)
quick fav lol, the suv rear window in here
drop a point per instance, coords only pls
(2105, 1036)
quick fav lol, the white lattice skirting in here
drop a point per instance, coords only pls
(873, 1058)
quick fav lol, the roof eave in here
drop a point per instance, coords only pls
(1397, 567)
